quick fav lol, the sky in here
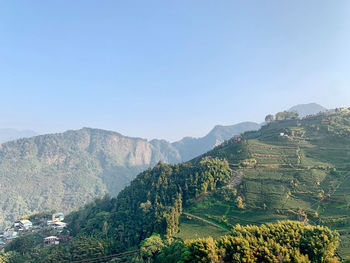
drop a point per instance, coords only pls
(168, 69)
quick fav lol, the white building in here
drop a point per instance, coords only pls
(25, 224)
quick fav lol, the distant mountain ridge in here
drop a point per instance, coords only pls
(308, 109)
(13, 134)
(190, 147)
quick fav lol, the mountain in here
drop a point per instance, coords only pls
(66, 170)
(190, 148)
(308, 109)
(12, 134)
(295, 169)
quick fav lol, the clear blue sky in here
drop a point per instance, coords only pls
(167, 69)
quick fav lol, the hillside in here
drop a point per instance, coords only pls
(66, 170)
(294, 169)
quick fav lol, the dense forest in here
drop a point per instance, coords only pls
(284, 241)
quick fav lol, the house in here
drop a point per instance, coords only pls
(58, 217)
(24, 224)
(10, 234)
(16, 225)
(59, 225)
(237, 139)
(51, 241)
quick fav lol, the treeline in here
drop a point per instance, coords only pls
(283, 115)
(284, 241)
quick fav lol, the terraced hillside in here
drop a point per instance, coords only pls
(292, 169)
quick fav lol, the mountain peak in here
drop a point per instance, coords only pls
(308, 109)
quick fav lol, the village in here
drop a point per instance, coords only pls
(52, 229)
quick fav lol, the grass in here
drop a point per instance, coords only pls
(193, 228)
(344, 247)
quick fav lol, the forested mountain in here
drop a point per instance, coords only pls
(66, 170)
(12, 134)
(43, 172)
(295, 169)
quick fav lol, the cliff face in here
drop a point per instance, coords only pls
(64, 171)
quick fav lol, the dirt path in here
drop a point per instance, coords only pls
(236, 179)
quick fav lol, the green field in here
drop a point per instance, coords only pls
(193, 228)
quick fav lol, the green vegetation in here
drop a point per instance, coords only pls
(64, 171)
(190, 228)
(67, 170)
(152, 203)
(294, 169)
(284, 241)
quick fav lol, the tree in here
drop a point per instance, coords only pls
(86, 247)
(239, 202)
(24, 244)
(284, 241)
(201, 250)
(10, 257)
(286, 115)
(173, 253)
(269, 118)
(151, 247)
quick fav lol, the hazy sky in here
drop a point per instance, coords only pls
(167, 69)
